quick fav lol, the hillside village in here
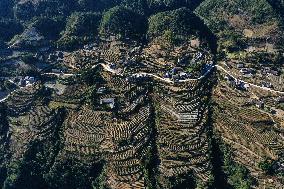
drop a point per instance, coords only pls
(168, 96)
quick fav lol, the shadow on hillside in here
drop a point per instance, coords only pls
(158, 6)
(277, 5)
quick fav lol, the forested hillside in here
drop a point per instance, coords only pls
(66, 22)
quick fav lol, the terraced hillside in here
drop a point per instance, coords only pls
(141, 94)
(113, 135)
(137, 131)
(182, 126)
(252, 132)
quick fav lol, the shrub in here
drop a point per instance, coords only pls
(179, 24)
(267, 166)
(9, 28)
(124, 22)
(80, 28)
(50, 28)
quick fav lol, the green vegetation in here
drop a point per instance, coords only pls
(238, 176)
(122, 18)
(9, 28)
(267, 166)
(96, 5)
(163, 5)
(50, 28)
(29, 59)
(81, 27)
(4, 127)
(281, 106)
(82, 24)
(272, 167)
(259, 11)
(178, 26)
(6, 8)
(73, 174)
(229, 19)
(232, 42)
(123, 22)
(179, 23)
(27, 10)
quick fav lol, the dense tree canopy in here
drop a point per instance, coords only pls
(6, 8)
(126, 18)
(162, 5)
(28, 9)
(80, 27)
(82, 24)
(9, 28)
(122, 21)
(180, 22)
(48, 27)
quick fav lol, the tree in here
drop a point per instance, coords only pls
(123, 21)
(50, 28)
(267, 166)
(9, 28)
(6, 8)
(81, 27)
(179, 24)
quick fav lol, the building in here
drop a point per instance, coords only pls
(168, 75)
(241, 85)
(112, 66)
(268, 70)
(26, 81)
(240, 65)
(195, 43)
(29, 80)
(101, 90)
(183, 75)
(259, 104)
(183, 61)
(206, 68)
(109, 102)
(176, 70)
(267, 85)
(280, 99)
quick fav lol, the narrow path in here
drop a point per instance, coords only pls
(250, 84)
(106, 67)
(167, 80)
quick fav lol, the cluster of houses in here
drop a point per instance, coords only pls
(176, 74)
(56, 56)
(236, 83)
(246, 72)
(17, 82)
(26, 81)
(260, 103)
(249, 72)
(91, 46)
(137, 78)
(20, 81)
(266, 84)
(108, 102)
(268, 71)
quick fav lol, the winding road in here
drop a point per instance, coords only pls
(167, 80)
(250, 84)
(220, 68)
